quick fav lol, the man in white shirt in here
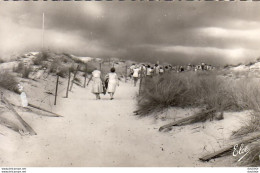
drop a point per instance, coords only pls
(132, 70)
(136, 74)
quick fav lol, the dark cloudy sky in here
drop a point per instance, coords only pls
(176, 32)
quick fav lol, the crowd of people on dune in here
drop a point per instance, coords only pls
(136, 71)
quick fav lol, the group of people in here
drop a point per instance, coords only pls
(111, 81)
(106, 85)
(147, 71)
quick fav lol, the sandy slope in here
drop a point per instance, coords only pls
(105, 133)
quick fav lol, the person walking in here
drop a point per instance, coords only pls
(149, 71)
(112, 82)
(156, 69)
(97, 86)
(132, 67)
(136, 74)
(161, 71)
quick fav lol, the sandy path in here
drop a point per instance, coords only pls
(103, 133)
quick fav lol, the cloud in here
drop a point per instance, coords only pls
(248, 34)
(147, 31)
(232, 54)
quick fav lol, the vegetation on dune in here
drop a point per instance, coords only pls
(1, 61)
(8, 81)
(22, 69)
(203, 90)
(89, 68)
(55, 65)
(41, 57)
(189, 89)
(63, 72)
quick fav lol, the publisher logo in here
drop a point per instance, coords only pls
(240, 151)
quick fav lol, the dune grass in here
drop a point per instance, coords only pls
(8, 81)
(41, 57)
(1, 60)
(23, 70)
(204, 89)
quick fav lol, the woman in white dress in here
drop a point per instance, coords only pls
(112, 82)
(97, 86)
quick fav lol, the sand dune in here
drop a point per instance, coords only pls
(106, 133)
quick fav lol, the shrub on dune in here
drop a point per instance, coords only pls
(1, 61)
(23, 70)
(40, 58)
(8, 81)
(26, 72)
(55, 65)
(63, 72)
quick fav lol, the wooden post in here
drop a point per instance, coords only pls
(74, 77)
(186, 119)
(56, 91)
(67, 92)
(100, 66)
(27, 126)
(125, 73)
(85, 79)
(216, 154)
(146, 71)
(85, 76)
(141, 77)
(36, 107)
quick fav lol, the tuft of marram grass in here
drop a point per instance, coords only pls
(23, 70)
(55, 65)
(1, 61)
(250, 126)
(8, 81)
(41, 57)
(63, 72)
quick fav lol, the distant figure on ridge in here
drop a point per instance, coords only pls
(161, 70)
(156, 69)
(112, 82)
(149, 71)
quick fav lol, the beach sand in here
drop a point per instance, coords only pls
(105, 133)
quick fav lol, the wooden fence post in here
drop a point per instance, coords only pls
(56, 91)
(85, 79)
(67, 93)
(85, 75)
(74, 77)
(26, 126)
(125, 73)
(39, 108)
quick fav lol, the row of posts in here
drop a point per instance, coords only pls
(70, 84)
